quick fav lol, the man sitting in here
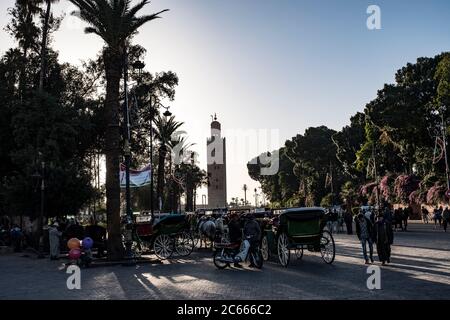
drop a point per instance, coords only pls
(252, 234)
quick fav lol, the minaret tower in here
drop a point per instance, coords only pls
(217, 167)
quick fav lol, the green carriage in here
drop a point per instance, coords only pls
(297, 229)
(163, 234)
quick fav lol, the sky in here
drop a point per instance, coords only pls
(269, 67)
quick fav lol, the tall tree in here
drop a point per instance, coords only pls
(115, 21)
(25, 31)
(245, 188)
(348, 141)
(44, 40)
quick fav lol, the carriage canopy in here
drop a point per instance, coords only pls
(300, 222)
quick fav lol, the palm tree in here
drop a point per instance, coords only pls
(245, 188)
(178, 148)
(165, 130)
(115, 21)
(24, 29)
(44, 43)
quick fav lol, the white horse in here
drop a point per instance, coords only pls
(208, 228)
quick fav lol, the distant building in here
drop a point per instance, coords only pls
(217, 167)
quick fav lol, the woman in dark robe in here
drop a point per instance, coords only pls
(384, 238)
(348, 219)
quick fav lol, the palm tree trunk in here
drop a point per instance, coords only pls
(189, 195)
(22, 75)
(44, 46)
(113, 63)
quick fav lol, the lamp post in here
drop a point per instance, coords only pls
(245, 188)
(167, 114)
(194, 186)
(40, 178)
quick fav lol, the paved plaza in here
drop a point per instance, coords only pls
(420, 269)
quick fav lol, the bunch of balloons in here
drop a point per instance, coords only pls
(76, 246)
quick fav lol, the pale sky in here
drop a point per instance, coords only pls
(270, 65)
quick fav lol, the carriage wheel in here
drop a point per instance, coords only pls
(299, 252)
(284, 254)
(184, 244)
(327, 247)
(196, 238)
(265, 248)
(163, 246)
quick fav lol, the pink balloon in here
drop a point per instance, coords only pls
(75, 254)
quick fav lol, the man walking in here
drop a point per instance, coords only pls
(425, 215)
(348, 219)
(364, 231)
(407, 212)
(446, 216)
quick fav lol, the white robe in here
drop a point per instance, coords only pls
(54, 238)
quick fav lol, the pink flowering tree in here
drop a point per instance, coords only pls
(369, 192)
(404, 186)
(387, 188)
(436, 194)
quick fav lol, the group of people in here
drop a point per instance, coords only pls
(375, 230)
(55, 233)
(441, 217)
(62, 230)
(13, 235)
(401, 217)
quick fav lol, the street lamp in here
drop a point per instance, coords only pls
(139, 66)
(167, 113)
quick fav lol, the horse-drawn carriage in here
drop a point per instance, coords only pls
(163, 234)
(294, 230)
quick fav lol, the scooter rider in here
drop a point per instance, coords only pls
(252, 234)
(235, 232)
(234, 229)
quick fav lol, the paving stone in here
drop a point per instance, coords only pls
(420, 269)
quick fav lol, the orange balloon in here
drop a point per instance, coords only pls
(74, 243)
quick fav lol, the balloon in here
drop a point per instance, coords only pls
(87, 243)
(75, 254)
(73, 243)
